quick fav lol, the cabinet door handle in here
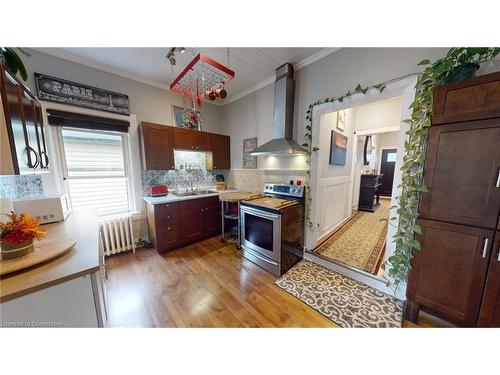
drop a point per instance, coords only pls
(498, 255)
(498, 179)
(169, 228)
(168, 217)
(485, 247)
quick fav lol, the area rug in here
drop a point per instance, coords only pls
(341, 299)
(359, 243)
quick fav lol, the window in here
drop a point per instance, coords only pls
(95, 170)
(391, 157)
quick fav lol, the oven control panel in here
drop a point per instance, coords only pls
(284, 189)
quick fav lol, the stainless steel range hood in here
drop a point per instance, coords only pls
(282, 143)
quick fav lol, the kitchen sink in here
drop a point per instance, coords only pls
(199, 192)
(185, 194)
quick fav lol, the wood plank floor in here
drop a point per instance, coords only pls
(207, 284)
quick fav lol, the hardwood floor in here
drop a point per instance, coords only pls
(207, 284)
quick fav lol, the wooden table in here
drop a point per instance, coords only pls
(233, 197)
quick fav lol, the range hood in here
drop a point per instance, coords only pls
(282, 143)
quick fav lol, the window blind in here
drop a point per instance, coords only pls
(95, 170)
(77, 120)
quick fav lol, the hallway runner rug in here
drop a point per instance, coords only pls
(344, 301)
(360, 242)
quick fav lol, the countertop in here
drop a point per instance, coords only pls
(82, 259)
(171, 197)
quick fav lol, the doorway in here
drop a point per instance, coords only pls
(387, 166)
(334, 196)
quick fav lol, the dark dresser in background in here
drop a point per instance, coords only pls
(369, 192)
(457, 273)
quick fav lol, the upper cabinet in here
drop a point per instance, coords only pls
(159, 142)
(186, 139)
(221, 151)
(23, 136)
(157, 146)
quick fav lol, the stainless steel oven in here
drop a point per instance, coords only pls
(261, 233)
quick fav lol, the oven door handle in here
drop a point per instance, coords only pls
(260, 213)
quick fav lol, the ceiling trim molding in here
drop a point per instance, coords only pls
(300, 65)
(65, 55)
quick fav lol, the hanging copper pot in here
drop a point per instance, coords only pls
(222, 93)
(211, 95)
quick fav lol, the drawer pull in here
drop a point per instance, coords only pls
(168, 217)
(498, 179)
(485, 247)
(169, 228)
(498, 255)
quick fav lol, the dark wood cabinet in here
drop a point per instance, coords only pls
(176, 224)
(186, 139)
(221, 151)
(158, 146)
(457, 273)
(159, 142)
(191, 220)
(448, 274)
(23, 139)
(211, 216)
(369, 192)
(489, 315)
(461, 172)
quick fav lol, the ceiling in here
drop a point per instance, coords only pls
(254, 67)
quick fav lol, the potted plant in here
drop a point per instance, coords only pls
(13, 61)
(17, 235)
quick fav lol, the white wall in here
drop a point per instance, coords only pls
(148, 103)
(379, 114)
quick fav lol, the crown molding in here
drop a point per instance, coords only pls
(65, 55)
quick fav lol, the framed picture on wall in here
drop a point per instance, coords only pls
(341, 120)
(338, 148)
(186, 118)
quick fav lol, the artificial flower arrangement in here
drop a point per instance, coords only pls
(17, 235)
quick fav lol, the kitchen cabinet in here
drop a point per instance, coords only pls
(176, 224)
(23, 138)
(456, 273)
(461, 172)
(157, 146)
(159, 141)
(448, 274)
(186, 139)
(221, 152)
(489, 315)
(164, 225)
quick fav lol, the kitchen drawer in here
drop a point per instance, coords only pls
(167, 213)
(168, 236)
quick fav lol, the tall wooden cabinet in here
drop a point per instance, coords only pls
(457, 272)
(23, 145)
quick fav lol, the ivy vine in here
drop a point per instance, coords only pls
(398, 265)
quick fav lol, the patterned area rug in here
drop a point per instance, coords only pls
(360, 242)
(341, 299)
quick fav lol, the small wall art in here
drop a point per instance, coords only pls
(338, 148)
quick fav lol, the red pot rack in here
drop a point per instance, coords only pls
(202, 74)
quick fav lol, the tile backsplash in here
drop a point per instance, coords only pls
(198, 177)
(17, 187)
(253, 179)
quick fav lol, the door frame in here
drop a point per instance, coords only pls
(405, 87)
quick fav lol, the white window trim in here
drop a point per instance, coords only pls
(126, 162)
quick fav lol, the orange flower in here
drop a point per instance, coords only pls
(20, 228)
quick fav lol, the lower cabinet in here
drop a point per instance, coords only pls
(449, 273)
(489, 315)
(176, 224)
